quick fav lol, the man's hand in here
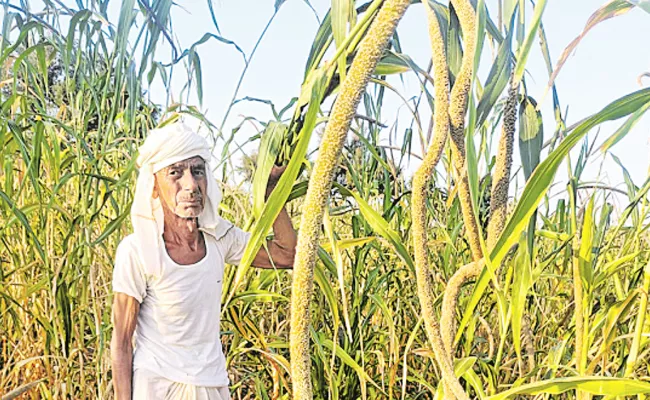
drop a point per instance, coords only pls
(274, 178)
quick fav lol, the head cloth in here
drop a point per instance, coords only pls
(163, 147)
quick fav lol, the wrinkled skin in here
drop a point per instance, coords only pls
(182, 187)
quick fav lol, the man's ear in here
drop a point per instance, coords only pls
(155, 187)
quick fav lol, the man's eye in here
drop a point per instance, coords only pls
(173, 173)
(199, 172)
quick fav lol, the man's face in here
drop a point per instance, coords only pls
(182, 187)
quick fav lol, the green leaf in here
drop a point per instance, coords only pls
(538, 185)
(72, 29)
(340, 17)
(454, 48)
(280, 194)
(380, 225)
(615, 314)
(195, 61)
(23, 220)
(250, 296)
(611, 267)
(624, 129)
(586, 244)
(345, 244)
(462, 367)
(340, 273)
(531, 135)
(643, 4)
(320, 44)
(612, 9)
(522, 53)
(112, 226)
(347, 360)
(325, 286)
(392, 64)
(543, 176)
(497, 77)
(125, 21)
(268, 153)
(531, 141)
(14, 394)
(592, 384)
(28, 154)
(523, 281)
(509, 8)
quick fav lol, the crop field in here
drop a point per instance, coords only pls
(421, 271)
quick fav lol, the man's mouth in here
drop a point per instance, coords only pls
(192, 201)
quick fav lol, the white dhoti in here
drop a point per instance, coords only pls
(148, 386)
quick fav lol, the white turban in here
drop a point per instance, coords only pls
(162, 148)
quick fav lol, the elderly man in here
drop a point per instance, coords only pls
(168, 274)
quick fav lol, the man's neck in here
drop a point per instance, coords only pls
(182, 232)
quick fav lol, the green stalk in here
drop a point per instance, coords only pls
(640, 323)
(578, 292)
(371, 49)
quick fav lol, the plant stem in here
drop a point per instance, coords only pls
(370, 51)
(640, 323)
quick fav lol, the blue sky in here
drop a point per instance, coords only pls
(605, 66)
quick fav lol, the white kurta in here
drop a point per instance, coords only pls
(177, 337)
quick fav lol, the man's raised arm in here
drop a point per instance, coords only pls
(282, 248)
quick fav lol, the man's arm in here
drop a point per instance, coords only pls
(282, 248)
(125, 316)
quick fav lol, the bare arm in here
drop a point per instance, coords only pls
(282, 248)
(125, 316)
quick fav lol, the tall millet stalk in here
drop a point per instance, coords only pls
(421, 181)
(499, 202)
(457, 110)
(498, 214)
(370, 51)
(501, 175)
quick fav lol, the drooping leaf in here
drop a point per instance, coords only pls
(612, 9)
(624, 129)
(380, 225)
(538, 185)
(643, 4)
(603, 386)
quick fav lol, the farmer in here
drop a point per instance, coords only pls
(168, 274)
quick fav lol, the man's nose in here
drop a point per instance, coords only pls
(189, 182)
